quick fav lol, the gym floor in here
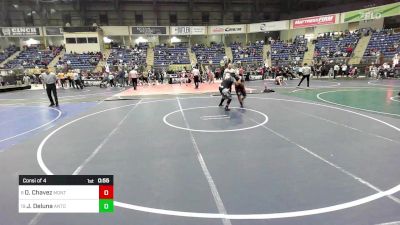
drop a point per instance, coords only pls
(328, 154)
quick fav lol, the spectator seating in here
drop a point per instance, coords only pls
(336, 46)
(32, 57)
(7, 52)
(209, 55)
(164, 55)
(136, 56)
(86, 61)
(283, 51)
(249, 54)
(385, 42)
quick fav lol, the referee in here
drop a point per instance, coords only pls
(50, 80)
(306, 72)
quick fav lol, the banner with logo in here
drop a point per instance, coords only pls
(268, 26)
(315, 21)
(227, 29)
(188, 30)
(19, 31)
(371, 13)
(54, 31)
(150, 30)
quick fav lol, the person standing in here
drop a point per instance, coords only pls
(77, 80)
(50, 80)
(183, 76)
(126, 78)
(344, 69)
(41, 79)
(27, 80)
(210, 76)
(336, 69)
(133, 74)
(111, 79)
(121, 77)
(306, 71)
(196, 77)
(61, 78)
(162, 75)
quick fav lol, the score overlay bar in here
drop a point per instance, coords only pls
(66, 194)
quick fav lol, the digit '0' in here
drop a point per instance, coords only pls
(106, 192)
(106, 206)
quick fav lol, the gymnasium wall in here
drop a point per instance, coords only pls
(84, 47)
(375, 24)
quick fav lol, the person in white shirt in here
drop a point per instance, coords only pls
(50, 81)
(111, 80)
(126, 78)
(344, 69)
(336, 69)
(196, 77)
(331, 72)
(27, 80)
(183, 76)
(395, 60)
(77, 80)
(229, 71)
(306, 74)
(133, 74)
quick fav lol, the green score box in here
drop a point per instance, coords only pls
(106, 205)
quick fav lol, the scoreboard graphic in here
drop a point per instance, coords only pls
(66, 194)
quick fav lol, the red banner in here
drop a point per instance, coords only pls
(314, 21)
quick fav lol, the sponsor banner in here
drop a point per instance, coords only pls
(269, 26)
(198, 30)
(188, 30)
(115, 30)
(371, 13)
(315, 21)
(19, 31)
(227, 29)
(150, 30)
(54, 31)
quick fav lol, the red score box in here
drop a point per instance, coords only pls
(106, 192)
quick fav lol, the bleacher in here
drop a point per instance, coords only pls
(385, 43)
(137, 55)
(282, 52)
(336, 46)
(249, 54)
(33, 57)
(209, 55)
(4, 54)
(164, 56)
(86, 61)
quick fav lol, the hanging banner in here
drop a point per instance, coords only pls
(227, 29)
(54, 31)
(198, 30)
(371, 13)
(315, 21)
(19, 31)
(269, 26)
(188, 30)
(149, 30)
